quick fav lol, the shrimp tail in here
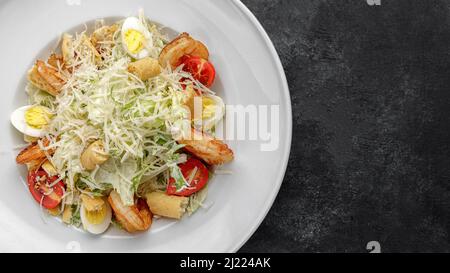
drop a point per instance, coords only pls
(132, 218)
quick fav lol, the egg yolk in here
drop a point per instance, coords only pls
(134, 40)
(96, 217)
(209, 108)
(37, 117)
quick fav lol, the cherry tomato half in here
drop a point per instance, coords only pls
(198, 181)
(201, 69)
(39, 185)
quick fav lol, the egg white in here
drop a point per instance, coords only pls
(134, 23)
(18, 121)
(99, 228)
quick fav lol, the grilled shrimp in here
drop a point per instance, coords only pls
(33, 153)
(207, 148)
(133, 218)
(46, 78)
(56, 61)
(182, 45)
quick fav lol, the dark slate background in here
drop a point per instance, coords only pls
(371, 113)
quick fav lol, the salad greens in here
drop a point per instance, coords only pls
(135, 120)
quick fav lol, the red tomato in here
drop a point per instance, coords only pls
(39, 185)
(198, 181)
(202, 70)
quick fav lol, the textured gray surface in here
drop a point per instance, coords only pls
(371, 113)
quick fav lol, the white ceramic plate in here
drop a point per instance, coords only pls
(249, 72)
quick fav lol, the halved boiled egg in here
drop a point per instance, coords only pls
(95, 214)
(136, 38)
(213, 110)
(31, 120)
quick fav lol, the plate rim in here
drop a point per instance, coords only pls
(285, 89)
